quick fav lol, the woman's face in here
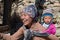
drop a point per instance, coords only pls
(26, 19)
(47, 19)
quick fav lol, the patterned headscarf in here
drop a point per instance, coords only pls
(30, 10)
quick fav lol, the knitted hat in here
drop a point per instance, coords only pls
(47, 14)
(48, 10)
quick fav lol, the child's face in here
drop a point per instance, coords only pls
(47, 19)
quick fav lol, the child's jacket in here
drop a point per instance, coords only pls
(51, 29)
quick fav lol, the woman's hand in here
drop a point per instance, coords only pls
(53, 37)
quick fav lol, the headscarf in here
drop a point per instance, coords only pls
(30, 10)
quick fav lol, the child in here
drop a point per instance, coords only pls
(47, 23)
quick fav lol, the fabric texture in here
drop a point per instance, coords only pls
(31, 10)
(28, 34)
(48, 10)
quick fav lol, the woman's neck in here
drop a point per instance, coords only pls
(29, 26)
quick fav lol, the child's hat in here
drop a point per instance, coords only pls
(47, 14)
